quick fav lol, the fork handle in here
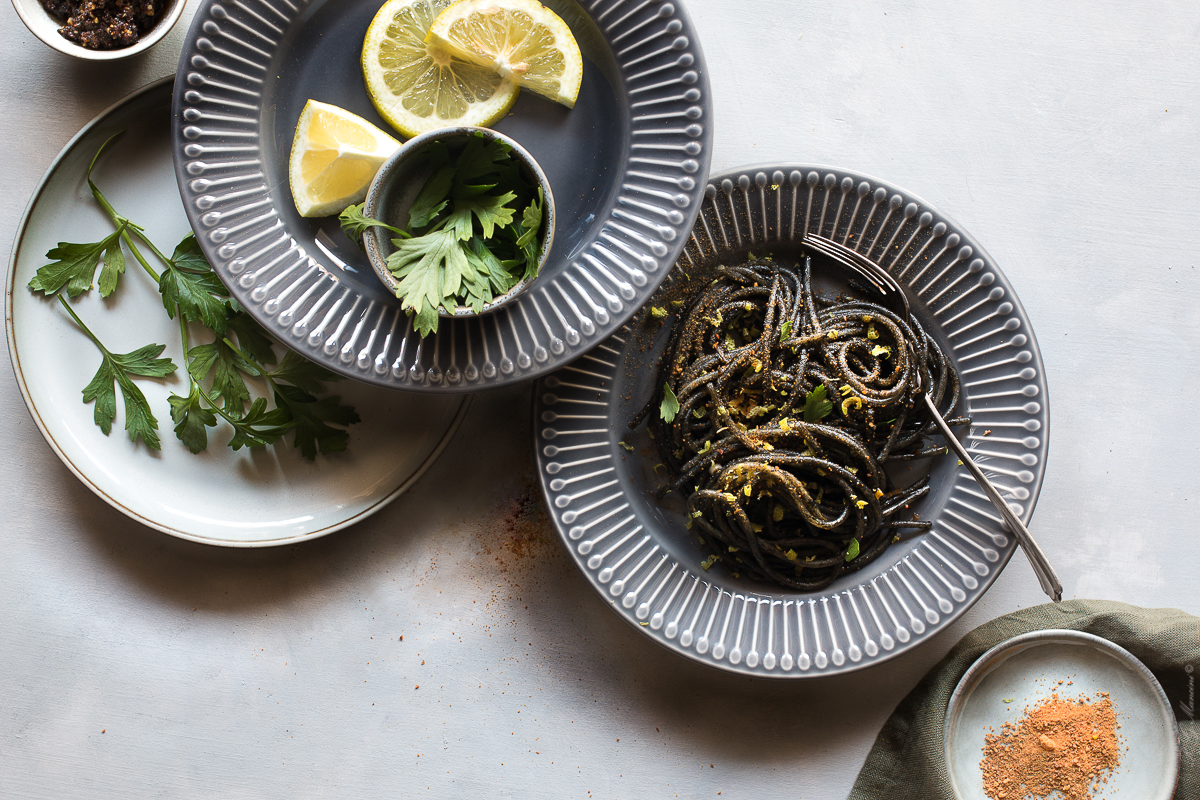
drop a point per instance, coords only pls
(1041, 565)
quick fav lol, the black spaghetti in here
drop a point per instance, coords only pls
(777, 413)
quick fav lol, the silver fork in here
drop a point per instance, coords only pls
(886, 285)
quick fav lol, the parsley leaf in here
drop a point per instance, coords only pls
(785, 330)
(500, 278)
(481, 157)
(114, 267)
(432, 197)
(117, 368)
(311, 416)
(531, 220)
(260, 426)
(489, 277)
(307, 376)
(251, 338)
(421, 264)
(670, 404)
(74, 267)
(490, 211)
(227, 368)
(355, 223)
(192, 419)
(817, 406)
(189, 284)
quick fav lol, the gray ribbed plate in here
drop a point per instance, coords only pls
(627, 165)
(635, 550)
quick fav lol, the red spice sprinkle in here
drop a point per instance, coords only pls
(1066, 746)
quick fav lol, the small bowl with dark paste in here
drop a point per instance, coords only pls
(99, 30)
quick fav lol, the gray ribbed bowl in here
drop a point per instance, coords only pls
(627, 165)
(634, 549)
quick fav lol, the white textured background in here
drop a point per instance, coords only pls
(1064, 136)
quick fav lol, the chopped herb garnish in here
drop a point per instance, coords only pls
(817, 406)
(852, 550)
(670, 404)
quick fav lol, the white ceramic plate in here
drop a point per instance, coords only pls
(246, 498)
(1026, 669)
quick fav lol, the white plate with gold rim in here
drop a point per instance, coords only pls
(247, 498)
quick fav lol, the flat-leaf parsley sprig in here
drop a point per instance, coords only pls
(465, 243)
(217, 370)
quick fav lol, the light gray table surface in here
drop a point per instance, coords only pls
(1064, 136)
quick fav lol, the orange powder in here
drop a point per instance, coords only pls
(1069, 746)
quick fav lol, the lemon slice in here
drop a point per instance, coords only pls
(418, 87)
(519, 39)
(335, 154)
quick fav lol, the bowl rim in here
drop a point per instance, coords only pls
(997, 654)
(33, 12)
(375, 238)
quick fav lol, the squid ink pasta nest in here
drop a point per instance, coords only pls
(789, 406)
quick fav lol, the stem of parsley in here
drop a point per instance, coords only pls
(260, 370)
(194, 385)
(124, 225)
(83, 327)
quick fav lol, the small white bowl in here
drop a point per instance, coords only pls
(45, 27)
(1025, 670)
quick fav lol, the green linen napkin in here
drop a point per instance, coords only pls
(906, 760)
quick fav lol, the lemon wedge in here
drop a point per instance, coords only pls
(519, 39)
(335, 154)
(418, 87)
